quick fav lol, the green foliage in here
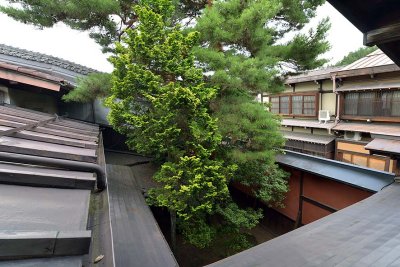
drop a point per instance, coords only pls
(193, 186)
(159, 100)
(241, 46)
(89, 88)
(356, 55)
(198, 233)
(107, 20)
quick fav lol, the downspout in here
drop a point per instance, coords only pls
(320, 93)
(337, 106)
(59, 163)
(337, 97)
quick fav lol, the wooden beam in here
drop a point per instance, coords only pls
(382, 35)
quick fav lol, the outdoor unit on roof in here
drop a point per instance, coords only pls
(324, 116)
(355, 136)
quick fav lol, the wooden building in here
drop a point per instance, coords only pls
(337, 112)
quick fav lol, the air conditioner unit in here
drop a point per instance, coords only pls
(324, 116)
(355, 136)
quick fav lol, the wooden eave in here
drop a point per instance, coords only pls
(378, 20)
(31, 77)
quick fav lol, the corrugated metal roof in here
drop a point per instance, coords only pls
(384, 145)
(309, 138)
(363, 234)
(374, 59)
(373, 128)
(361, 177)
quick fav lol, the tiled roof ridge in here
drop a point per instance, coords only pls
(39, 57)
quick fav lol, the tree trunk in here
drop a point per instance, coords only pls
(173, 230)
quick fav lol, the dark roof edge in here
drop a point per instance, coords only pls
(43, 58)
(311, 78)
(379, 174)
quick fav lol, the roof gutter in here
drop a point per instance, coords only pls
(59, 163)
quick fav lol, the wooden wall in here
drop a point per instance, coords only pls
(355, 153)
(317, 197)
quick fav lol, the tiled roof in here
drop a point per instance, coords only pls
(43, 58)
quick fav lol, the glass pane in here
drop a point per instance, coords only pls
(395, 110)
(275, 105)
(367, 103)
(350, 103)
(284, 105)
(309, 105)
(297, 104)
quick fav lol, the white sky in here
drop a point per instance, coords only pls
(75, 46)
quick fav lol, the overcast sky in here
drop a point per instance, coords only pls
(77, 47)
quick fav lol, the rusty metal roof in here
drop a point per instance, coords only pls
(31, 77)
(309, 138)
(373, 128)
(386, 146)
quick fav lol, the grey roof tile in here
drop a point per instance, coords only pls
(39, 57)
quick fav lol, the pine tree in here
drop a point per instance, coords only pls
(242, 50)
(107, 20)
(160, 102)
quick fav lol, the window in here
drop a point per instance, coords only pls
(284, 105)
(372, 104)
(295, 104)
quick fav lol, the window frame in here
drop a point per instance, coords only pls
(290, 95)
(365, 117)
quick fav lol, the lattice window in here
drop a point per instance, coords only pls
(309, 105)
(295, 104)
(284, 105)
(275, 105)
(372, 104)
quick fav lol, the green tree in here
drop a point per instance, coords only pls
(90, 87)
(356, 55)
(107, 20)
(160, 102)
(241, 48)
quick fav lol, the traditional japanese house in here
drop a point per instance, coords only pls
(59, 203)
(369, 112)
(332, 118)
